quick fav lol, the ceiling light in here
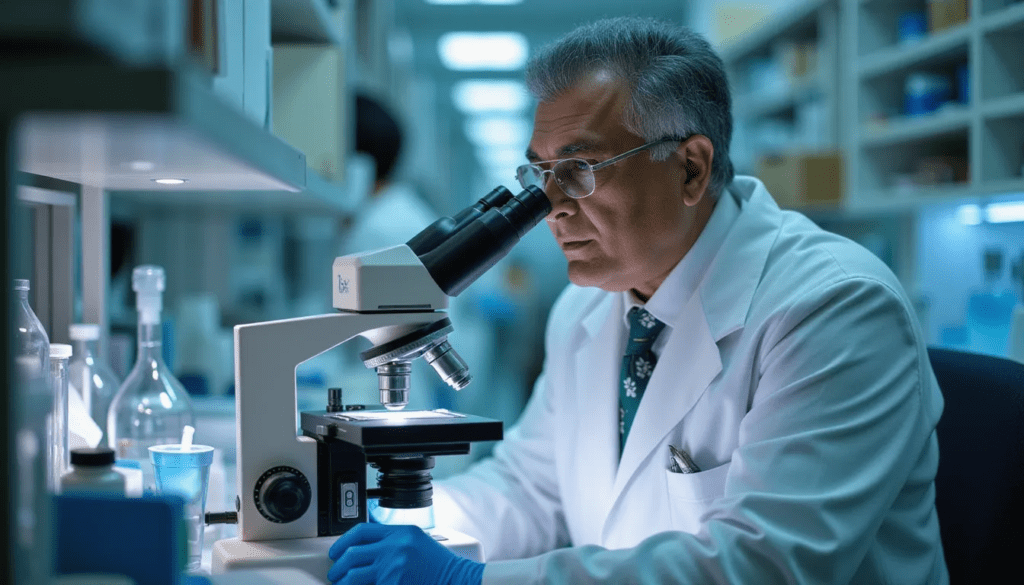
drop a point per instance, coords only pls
(479, 95)
(501, 156)
(170, 181)
(501, 51)
(492, 2)
(141, 165)
(498, 131)
(1004, 212)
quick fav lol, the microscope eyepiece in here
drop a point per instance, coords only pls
(468, 253)
(445, 227)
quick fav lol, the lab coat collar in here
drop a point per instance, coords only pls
(723, 298)
(684, 279)
(728, 286)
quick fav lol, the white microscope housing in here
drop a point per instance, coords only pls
(394, 297)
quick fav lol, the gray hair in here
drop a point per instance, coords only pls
(678, 84)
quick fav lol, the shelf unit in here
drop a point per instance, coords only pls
(802, 112)
(119, 106)
(972, 148)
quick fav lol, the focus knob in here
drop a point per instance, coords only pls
(282, 494)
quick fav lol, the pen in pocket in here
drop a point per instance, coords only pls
(683, 461)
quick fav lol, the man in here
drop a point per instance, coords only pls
(786, 433)
(394, 212)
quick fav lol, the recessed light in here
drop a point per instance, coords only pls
(170, 181)
(498, 131)
(490, 95)
(494, 51)
(141, 165)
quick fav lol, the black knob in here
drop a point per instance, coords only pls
(282, 494)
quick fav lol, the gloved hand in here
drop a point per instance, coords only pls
(397, 555)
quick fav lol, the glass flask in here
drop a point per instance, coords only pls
(151, 407)
(90, 376)
(31, 404)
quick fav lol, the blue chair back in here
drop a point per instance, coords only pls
(979, 488)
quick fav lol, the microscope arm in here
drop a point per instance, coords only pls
(266, 355)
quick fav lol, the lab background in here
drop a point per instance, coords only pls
(897, 124)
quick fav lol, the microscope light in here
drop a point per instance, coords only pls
(170, 181)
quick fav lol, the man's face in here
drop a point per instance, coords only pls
(633, 229)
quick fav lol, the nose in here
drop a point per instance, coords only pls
(562, 205)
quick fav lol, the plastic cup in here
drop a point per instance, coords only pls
(186, 473)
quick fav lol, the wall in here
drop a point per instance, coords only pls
(949, 266)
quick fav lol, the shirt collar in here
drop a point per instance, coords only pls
(682, 282)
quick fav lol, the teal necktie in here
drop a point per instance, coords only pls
(637, 367)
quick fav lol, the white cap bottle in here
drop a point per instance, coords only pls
(92, 471)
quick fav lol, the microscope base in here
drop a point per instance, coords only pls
(310, 554)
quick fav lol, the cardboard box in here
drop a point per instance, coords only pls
(943, 14)
(803, 179)
(311, 106)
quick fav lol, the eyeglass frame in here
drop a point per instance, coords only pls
(594, 167)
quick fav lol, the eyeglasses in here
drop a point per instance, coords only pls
(575, 176)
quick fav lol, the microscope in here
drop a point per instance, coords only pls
(302, 485)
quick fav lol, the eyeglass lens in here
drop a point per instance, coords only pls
(574, 176)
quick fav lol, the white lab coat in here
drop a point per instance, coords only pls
(797, 378)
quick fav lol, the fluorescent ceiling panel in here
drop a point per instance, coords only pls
(490, 2)
(474, 96)
(498, 131)
(472, 51)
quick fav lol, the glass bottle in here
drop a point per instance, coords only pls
(31, 403)
(90, 376)
(58, 441)
(151, 407)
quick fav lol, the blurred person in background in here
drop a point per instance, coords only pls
(730, 394)
(394, 212)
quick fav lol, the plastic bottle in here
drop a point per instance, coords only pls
(31, 403)
(151, 407)
(91, 377)
(92, 471)
(57, 441)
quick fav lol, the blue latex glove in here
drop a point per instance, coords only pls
(397, 555)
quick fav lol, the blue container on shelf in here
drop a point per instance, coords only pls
(912, 27)
(963, 84)
(925, 92)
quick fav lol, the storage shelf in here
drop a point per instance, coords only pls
(801, 16)
(935, 49)
(1008, 19)
(895, 200)
(304, 21)
(1004, 186)
(1012, 105)
(118, 128)
(754, 106)
(905, 130)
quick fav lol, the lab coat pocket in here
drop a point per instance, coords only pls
(691, 495)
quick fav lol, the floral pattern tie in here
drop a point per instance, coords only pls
(637, 367)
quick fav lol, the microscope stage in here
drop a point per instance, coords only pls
(386, 431)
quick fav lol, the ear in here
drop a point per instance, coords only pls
(696, 155)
